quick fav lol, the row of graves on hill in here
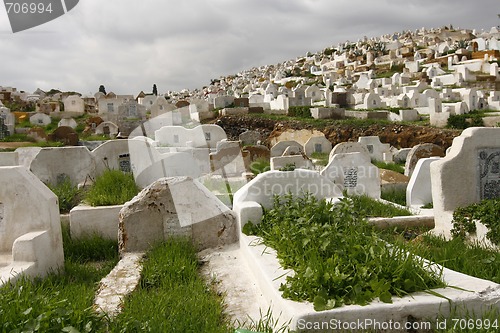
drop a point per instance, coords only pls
(175, 166)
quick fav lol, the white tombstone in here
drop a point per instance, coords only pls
(317, 144)
(202, 136)
(169, 165)
(172, 207)
(468, 174)
(279, 148)
(423, 150)
(70, 122)
(40, 119)
(419, 189)
(292, 150)
(107, 128)
(30, 228)
(112, 154)
(354, 173)
(297, 161)
(400, 155)
(52, 165)
(378, 151)
(348, 147)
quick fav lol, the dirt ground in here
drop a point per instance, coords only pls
(398, 135)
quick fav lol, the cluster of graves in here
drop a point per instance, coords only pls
(444, 72)
(435, 73)
(173, 163)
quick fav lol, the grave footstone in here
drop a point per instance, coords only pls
(419, 190)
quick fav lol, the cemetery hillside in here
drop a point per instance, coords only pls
(354, 188)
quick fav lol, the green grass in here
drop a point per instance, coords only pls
(113, 187)
(336, 255)
(260, 165)
(63, 300)
(397, 196)
(321, 158)
(68, 194)
(390, 166)
(172, 297)
(368, 207)
(456, 254)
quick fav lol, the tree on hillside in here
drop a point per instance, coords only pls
(155, 91)
(102, 89)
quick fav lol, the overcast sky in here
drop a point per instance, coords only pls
(129, 45)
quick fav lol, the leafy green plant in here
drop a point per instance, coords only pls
(336, 256)
(113, 187)
(463, 121)
(486, 211)
(68, 194)
(288, 167)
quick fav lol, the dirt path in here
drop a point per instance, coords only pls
(13, 145)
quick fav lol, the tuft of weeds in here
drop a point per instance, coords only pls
(68, 194)
(113, 187)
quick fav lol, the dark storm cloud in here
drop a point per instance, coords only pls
(129, 45)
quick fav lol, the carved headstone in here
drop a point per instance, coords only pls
(424, 150)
